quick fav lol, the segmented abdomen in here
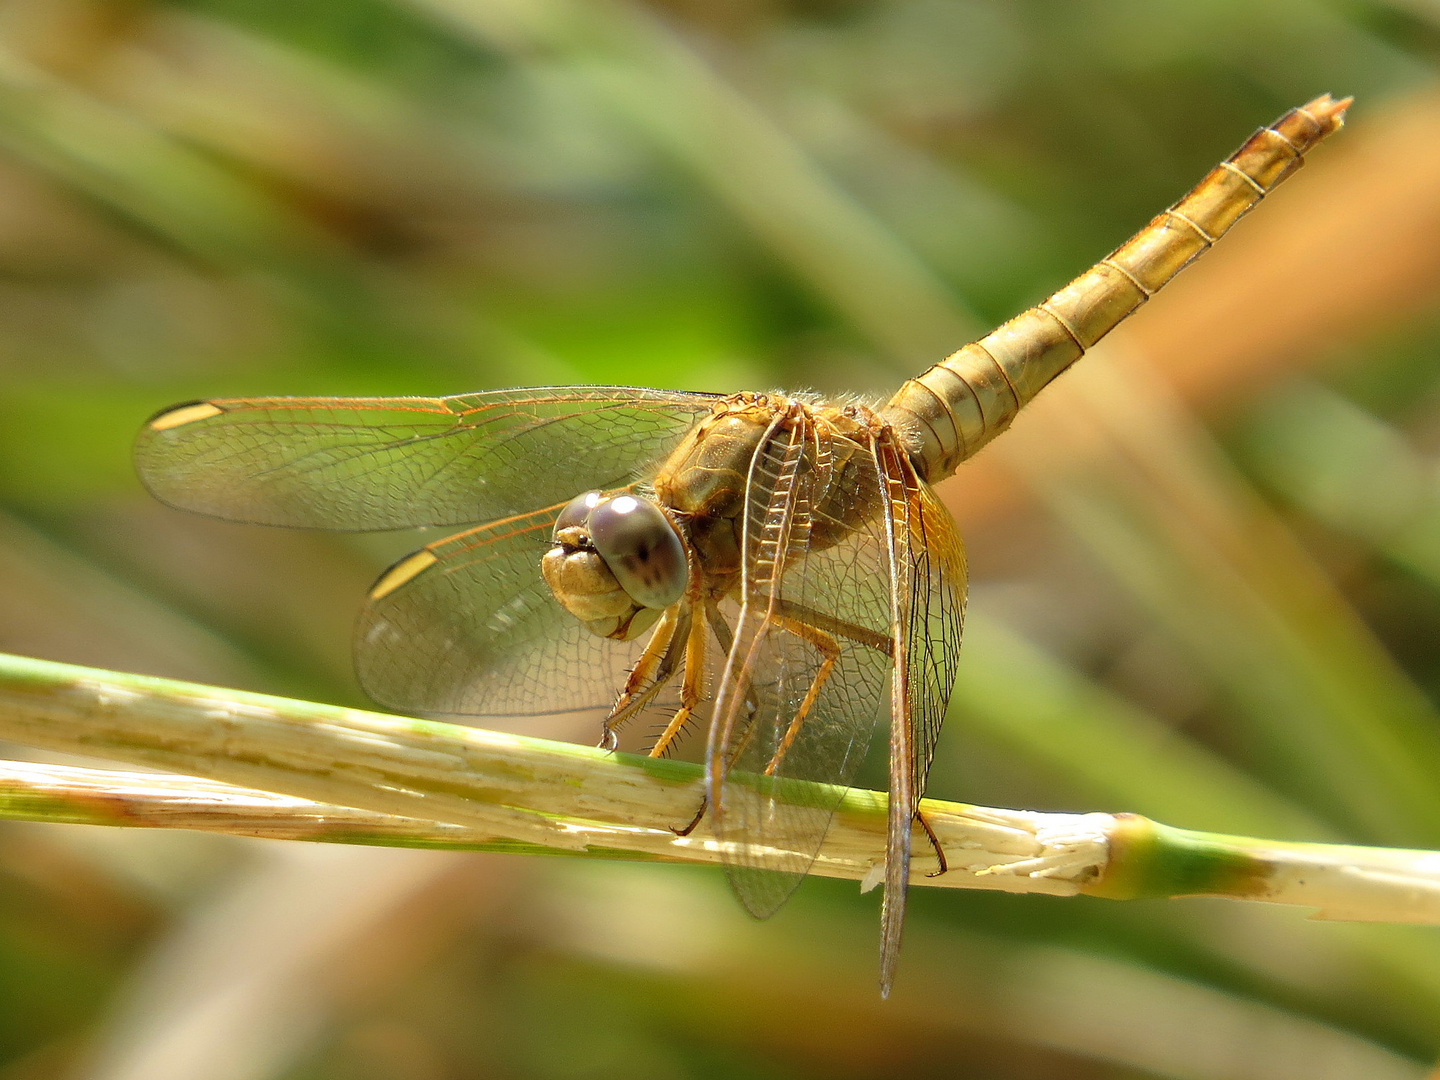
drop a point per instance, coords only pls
(971, 396)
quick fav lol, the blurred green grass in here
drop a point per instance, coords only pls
(1220, 616)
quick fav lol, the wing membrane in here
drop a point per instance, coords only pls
(929, 608)
(467, 627)
(389, 463)
(816, 589)
(933, 623)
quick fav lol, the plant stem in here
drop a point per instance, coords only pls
(296, 770)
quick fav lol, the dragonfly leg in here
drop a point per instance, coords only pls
(726, 638)
(692, 687)
(934, 843)
(688, 829)
(820, 630)
(829, 653)
(649, 675)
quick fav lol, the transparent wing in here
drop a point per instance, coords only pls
(389, 463)
(933, 621)
(814, 624)
(467, 626)
(929, 562)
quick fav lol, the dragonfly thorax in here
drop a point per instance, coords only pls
(615, 562)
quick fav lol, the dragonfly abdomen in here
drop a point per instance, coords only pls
(972, 395)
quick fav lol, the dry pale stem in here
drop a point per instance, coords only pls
(297, 770)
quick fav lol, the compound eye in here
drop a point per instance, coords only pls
(577, 510)
(642, 549)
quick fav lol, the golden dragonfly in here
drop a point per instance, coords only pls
(632, 540)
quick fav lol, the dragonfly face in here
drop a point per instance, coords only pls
(616, 561)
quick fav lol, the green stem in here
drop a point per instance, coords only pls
(1340, 881)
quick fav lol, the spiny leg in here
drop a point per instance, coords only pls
(692, 687)
(934, 843)
(799, 621)
(688, 829)
(752, 699)
(829, 654)
(691, 693)
(821, 631)
(721, 629)
(649, 675)
(802, 622)
(880, 643)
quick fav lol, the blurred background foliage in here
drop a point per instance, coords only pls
(1206, 567)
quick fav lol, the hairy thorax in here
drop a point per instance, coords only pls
(705, 478)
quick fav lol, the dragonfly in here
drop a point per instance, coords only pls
(775, 567)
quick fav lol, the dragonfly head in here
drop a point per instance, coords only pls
(615, 562)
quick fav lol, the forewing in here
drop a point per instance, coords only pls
(389, 463)
(816, 585)
(468, 627)
(929, 608)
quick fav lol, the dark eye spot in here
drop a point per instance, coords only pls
(642, 549)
